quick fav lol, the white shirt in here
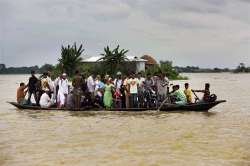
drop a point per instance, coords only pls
(45, 101)
(141, 81)
(91, 84)
(118, 83)
(63, 86)
(133, 82)
(51, 84)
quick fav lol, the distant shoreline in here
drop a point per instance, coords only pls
(189, 69)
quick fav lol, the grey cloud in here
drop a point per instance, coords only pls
(188, 32)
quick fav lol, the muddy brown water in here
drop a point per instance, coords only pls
(44, 138)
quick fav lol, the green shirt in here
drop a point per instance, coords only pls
(180, 96)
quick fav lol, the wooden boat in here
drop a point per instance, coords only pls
(166, 107)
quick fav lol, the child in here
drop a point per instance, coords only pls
(188, 93)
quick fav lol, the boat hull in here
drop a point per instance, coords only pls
(167, 107)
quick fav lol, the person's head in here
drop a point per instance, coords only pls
(77, 72)
(148, 76)
(124, 76)
(176, 87)
(32, 72)
(207, 86)
(106, 76)
(108, 81)
(64, 76)
(139, 75)
(132, 75)
(98, 77)
(47, 91)
(186, 85)
(45, 74)
(119, 75)
(22, 84)
(49, 73)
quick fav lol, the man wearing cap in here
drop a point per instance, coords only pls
(63, 90)
(45, 101)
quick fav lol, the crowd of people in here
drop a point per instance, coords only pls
(123, 91)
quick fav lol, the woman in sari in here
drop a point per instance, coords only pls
(108, 98)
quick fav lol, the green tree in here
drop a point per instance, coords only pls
(46, 67)
(70, 58)
(113, 60)
(167, 67)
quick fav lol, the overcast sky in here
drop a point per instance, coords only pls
(207, 33)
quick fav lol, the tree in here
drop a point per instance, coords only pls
(46, 67)
(70, 58)
(167, 67)
(113, 60)
(241, 68)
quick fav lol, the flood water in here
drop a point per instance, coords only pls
(219, 137)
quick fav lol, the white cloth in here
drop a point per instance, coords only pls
(162, 85)
(63, 90)
(141, 81)
(51, 84)
(118, 83)
(91, 84)
(133, 83)
(97, 85)
(61, 98)
(63, 86)
(45, 101)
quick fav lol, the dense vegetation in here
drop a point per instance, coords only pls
(112, 60)
(196, 69)
(26, 70)
(165, 67)
(242, 69)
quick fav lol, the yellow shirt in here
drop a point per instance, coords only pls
(188, 93)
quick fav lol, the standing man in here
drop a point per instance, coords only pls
(141, 80)
(77, 91)
(161, 85)
(91, 86)
(133, 88)
(117, 94)
(126, 90)
(32, 88)
(63, 91)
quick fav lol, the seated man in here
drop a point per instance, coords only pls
(21, 93)
(178, 95)
(45, 101)
(206, 91)
(188, 93)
